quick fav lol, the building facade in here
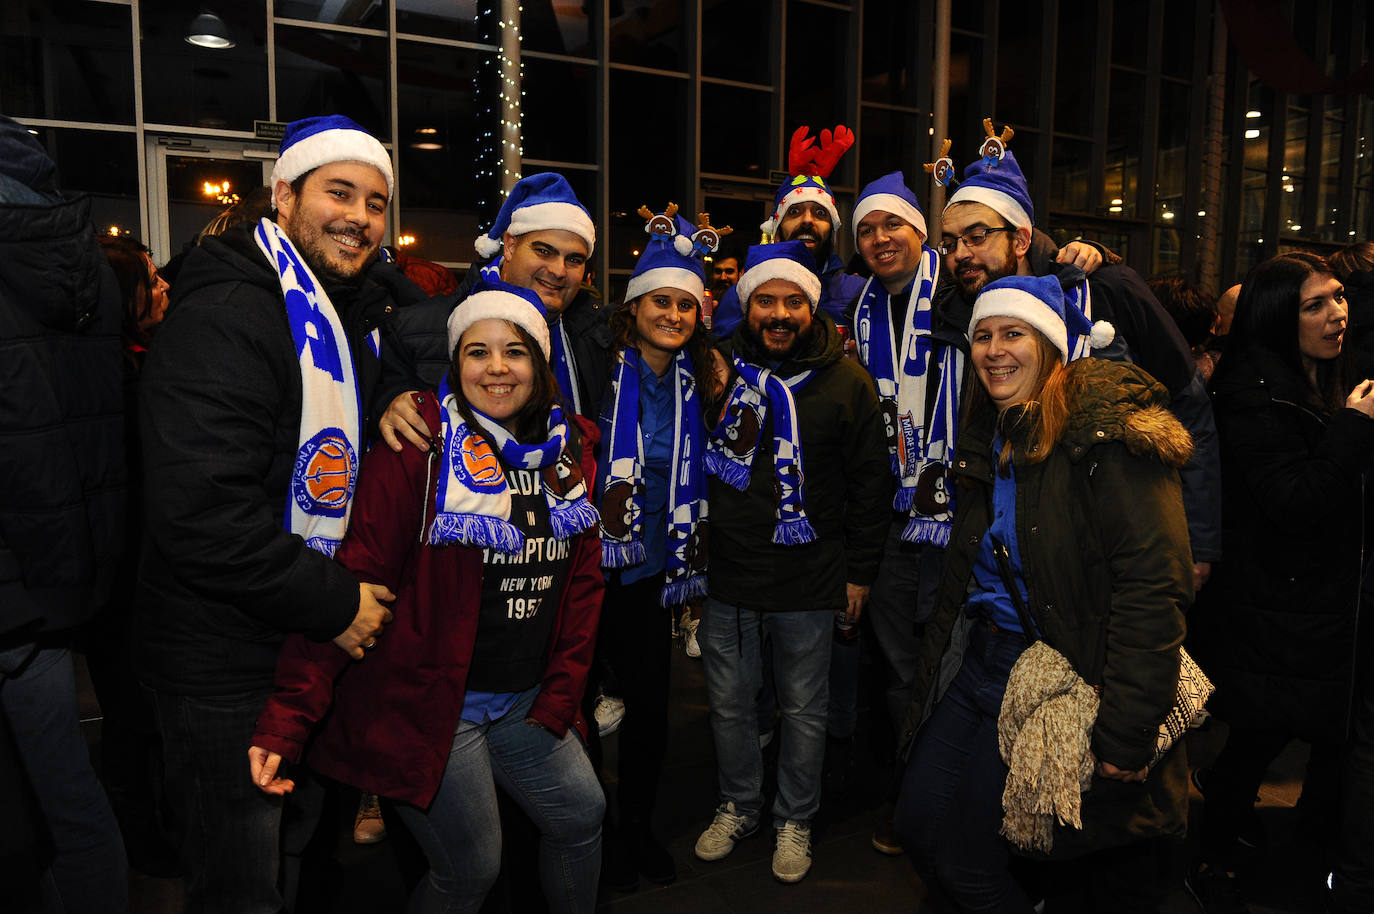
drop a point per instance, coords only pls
(1139, 123)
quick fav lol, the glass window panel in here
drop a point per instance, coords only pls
(1290, 208)
(1069, 171)
(1074, 73)
(103, 165)
(1179, 19)
(191, 204)
(742, 214)
(1295, 141)
(734, 138)
(1019, 45)
(440, 130)
(456, 19)
(333, 73)
(558, 27)
(1175, 118)
(1130, 25)
(1329, 217)
(204, 87)
(642, 171)
(965, 88)
(1166, 257)
(648, 33)
(1126, 114)
(558, 107)
(370, 14)
(962, 15)
(892, 142)
(890, 43)
(818, 74)
(731, 46)
(67, 60)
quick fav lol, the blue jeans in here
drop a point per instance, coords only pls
(729, 638)
(902, 599)
(230, 841)
(949, 813)
(552, 781)
(38, 698)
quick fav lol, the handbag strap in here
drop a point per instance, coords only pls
(1003, 557)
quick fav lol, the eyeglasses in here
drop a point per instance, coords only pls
(974, 238)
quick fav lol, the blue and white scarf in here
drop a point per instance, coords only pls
(1081, 298)
(325, 472)
(623, 486)
(560, 361)
(921, 424)
(733, 444)
(473, 501)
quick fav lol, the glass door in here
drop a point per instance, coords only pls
(191, 180)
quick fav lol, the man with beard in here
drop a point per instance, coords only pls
(798, 494)
(541, 240)
(986, 235)
(804, 210)
(252, 424)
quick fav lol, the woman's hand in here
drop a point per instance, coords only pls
(1108, 770)
(264, 765)
(1362, 398)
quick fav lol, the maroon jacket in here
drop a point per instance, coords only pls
(394, 713)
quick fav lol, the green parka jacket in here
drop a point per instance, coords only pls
(1106, 560)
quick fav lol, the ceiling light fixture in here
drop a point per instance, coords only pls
(209, 31)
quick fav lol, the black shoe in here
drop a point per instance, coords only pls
(1215, 890)
(1251, 835)
(652, 859)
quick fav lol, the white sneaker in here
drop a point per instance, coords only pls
(728, 827)
(688, 626)
(609, 712)
(792, 853)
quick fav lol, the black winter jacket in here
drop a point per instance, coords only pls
(421, 358)
(62, 471)
(1277, 621)
(848, 490)
(1104, 552)
(222, 582)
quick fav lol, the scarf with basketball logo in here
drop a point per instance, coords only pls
(473, 502)
(325, 472)
(918, 380)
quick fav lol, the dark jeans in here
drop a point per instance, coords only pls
(639, 634)
(1236, 778)
(949, 812)
(1353, 880)
(902, 599)
(38, 699)
(230, 841)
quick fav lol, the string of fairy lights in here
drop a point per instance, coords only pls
(497, 89)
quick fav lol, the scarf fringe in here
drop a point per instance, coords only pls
(904, 499)
(795, 532)
(622, 555)
(679, 592)
(925, 530)
(571, 518)
(895, 463)
(476, 530)
(734, 475)
(323, 544)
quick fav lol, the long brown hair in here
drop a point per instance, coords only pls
(532, 422)
(1042, 418)
(129, 258)
(698, 346)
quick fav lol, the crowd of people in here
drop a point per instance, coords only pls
(326, 515)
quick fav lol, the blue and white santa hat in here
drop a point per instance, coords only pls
(1001, 187)
(891, 195)
(668, 261)
(789, 260)
(314, 141)
(1039, 301)
(801, 189)
(539, 203)
(492, 298)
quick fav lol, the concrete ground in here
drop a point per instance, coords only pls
(848, 875)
